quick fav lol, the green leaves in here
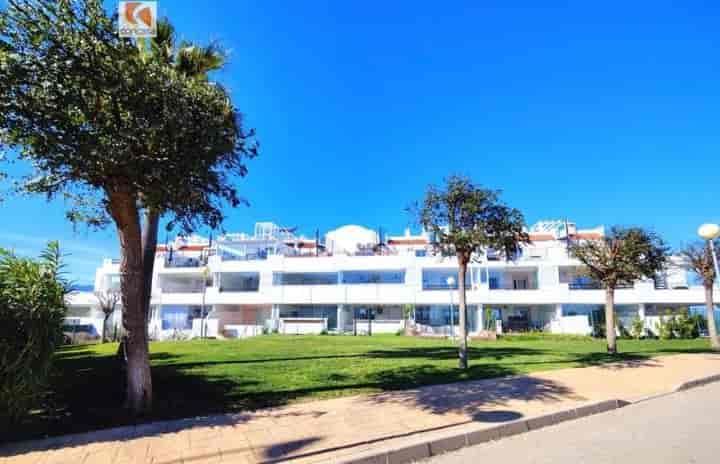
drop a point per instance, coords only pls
(698, 258)
(32, 308)
(465, 217)
(93, 115)
(623, 255)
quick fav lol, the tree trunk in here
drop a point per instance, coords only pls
(710, 308)
(124, 211)
(462, 309)
(149, 245)
(610, 320)
(104, 328)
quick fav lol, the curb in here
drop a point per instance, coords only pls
(699, 382)
(433, 446)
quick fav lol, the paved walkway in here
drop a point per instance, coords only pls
(323, 431)
(684, 430)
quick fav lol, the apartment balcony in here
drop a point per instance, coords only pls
(513, 279)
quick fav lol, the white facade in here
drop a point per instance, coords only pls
(299, 286)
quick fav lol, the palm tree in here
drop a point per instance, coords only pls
(622, 256)
(192, 62)
(698, 258)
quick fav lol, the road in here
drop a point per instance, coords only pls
(678, 428)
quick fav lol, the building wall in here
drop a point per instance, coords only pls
(546, 264)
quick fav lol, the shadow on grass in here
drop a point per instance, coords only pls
(429, 353)
(87, 389)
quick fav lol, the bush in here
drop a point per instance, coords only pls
(32, 308)
(680, 326)
(686, 327)
(666, 328)
(637, 327)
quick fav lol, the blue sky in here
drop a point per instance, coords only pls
(603, 114)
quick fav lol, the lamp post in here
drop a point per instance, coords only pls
(451, 283)
(710, 232)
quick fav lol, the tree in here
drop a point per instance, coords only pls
(698, 258)
(194, 62)
(32, 310)
(116, 134)
(620, 257)
(107, 300)
(408, 312)
(466, 218)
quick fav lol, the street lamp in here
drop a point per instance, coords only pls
(710, 232)
(451, 283)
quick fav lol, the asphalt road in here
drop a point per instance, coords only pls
(678, 428)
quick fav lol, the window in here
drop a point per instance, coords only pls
(179, 317)
(580, 309)
(305, 278)
(439, 315)
(373, 277)
(239, 282)
(436, 279)
(182, 283)
(420, 253)
(328, 312)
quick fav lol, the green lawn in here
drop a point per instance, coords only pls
(200, 377)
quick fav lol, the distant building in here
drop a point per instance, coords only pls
(356, 280)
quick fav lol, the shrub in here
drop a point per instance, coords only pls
(666, 328)
(32, 308)
(680, 326)
(686, 327)
(637, 327)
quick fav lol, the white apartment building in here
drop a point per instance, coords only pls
(355, 281)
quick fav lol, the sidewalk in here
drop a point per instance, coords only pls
(321, 431)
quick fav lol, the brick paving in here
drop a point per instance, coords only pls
(327, 430)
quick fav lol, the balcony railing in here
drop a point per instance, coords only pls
(184, 289)
(184, 262)
(247, 257)
(596, 286)
(510, 286)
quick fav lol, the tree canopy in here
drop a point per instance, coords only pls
(464, 217)
(698, 258)
(91, 115)
(621, 256)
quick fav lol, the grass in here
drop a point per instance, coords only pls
(211, 376)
